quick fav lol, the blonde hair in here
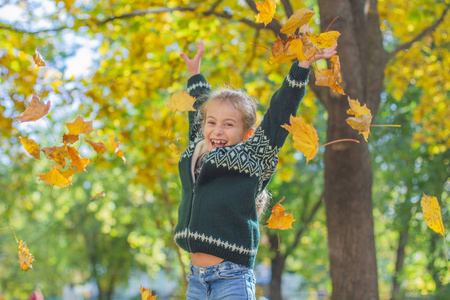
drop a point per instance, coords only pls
(247, 106)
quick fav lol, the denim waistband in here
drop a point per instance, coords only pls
(223, 266)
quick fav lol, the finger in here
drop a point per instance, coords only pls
(184, 57)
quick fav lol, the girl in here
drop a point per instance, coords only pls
(223, 173)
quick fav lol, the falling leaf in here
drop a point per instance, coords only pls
(99, 147)
(56, 177)
(25, 258)
(101, 194)
(58, 154)
(79, 126)
(38, 59)
(181, 101)
(298, 19)
(296, 49)
(35, 110)
(362, 118)
(266, 11)
(325, 39)
(32, 147)
(432, 213)
(279, 219)
(76, 161)
(146, 294)
(331, 77)
(304, 135)
(279, 52)
(70, 138)
(115, 146)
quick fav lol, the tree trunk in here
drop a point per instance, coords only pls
(278, 263)
(402, 240)
(348, 170)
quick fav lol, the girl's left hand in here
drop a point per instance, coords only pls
(327, 53)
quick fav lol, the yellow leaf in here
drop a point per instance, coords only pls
(296, 48)
(56, 177)
(356, 108)
(331, 77)
(298, 19)
(304, 135)
(76, 161)
(99, 147)
(70, 138)
(325, 39)
(362, 118)
(432, 213)
(181, 101)
(32, 147)
(35, 110)
(58, 154)
(79, 126)
(362, 124)
(25, 258)
(38, 59)
(266, 11)
(146, 294)
(279, 219)
(115, 146)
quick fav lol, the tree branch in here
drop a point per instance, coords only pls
(146, 12)
(287, 8)
(252, 5)
(425, 32)
(305, 225)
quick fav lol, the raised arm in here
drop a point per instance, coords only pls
(193, 65)
(197, 87)
(286, 100)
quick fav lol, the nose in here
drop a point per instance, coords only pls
(218, 129)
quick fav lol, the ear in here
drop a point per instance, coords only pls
(249, 134)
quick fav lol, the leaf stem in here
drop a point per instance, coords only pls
(337, 141)
(331, 23)
(12, 231)
(374, 125)
(261, 46)
(278, 236)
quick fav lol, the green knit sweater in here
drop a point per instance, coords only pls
(217, 214)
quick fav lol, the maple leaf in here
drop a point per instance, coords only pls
(325, 39)
(38, 59)
(362, 119)
(58, 154)
(279, 52)
(115, 146)
(25, 258)
(35, 110)
(99, 147)
(146, 294)
(70, 138)
(298, 19)
(279, 219)
(56, 177)
(266, 11)
(304, 135)
(331, 77)
(296, 48)
(76, 161)
(432, 213)
(32, 147)
(181, 101)
(79, 126)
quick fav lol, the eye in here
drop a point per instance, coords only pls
(210, 122)
(229, 124)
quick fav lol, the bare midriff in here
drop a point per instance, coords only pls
(205, 260)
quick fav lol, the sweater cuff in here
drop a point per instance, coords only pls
(298, 73)
(196, 81)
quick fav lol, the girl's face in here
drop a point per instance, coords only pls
(224, 125)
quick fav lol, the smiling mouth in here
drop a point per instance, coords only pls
(218, 143)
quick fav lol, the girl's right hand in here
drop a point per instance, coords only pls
(193, 65)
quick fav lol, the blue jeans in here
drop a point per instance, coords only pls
(227, 281)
